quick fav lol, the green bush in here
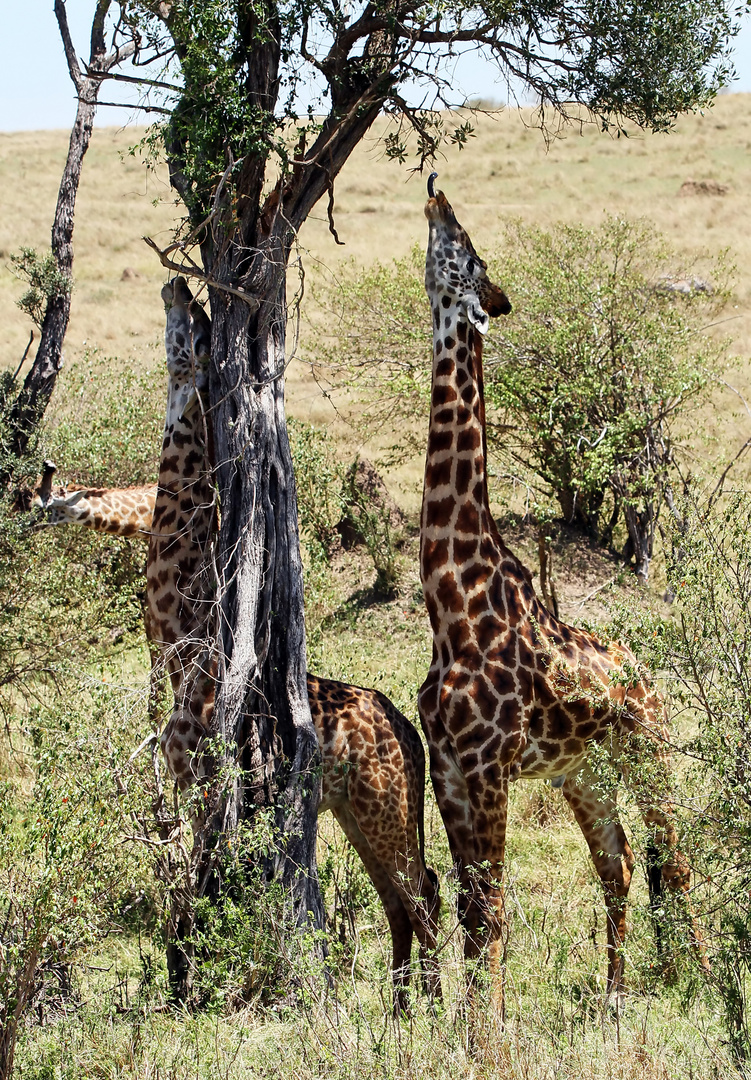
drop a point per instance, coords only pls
(318, 479)
(585, 381)
(703, 652)
(107, 423)
(65, 872)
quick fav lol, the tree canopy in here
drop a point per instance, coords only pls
(302, 81)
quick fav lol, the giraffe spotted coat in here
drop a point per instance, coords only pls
(511, 691)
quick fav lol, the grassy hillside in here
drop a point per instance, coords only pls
(113, 1019)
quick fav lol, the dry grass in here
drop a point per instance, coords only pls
(505, 171)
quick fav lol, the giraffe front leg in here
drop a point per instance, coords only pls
(474, 816)
(486, 909)
(611, 853)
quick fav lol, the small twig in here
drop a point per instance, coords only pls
(599, 589)
(23, 358)
(150, 738)
(717, 490)
(190, 271)
(133, 105)
(330, 215)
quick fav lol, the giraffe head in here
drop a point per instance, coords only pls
(188, 342)
(454, 273)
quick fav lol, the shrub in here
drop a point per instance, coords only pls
(107, 424)
(704, 654)
(64, 870)
(584, 382)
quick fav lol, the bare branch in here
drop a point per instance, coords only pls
(191, 270)
(70, 53)
(92, 73)
(23, 358)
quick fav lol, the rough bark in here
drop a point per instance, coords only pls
(262, 705)
(39, 383)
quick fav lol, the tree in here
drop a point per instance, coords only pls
(51, 278)
(602, 361)
(249, 164)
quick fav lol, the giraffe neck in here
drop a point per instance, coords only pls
(118, 511)
(183, 461)
(457, 529)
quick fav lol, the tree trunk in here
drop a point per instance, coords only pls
(39, 383)
(641, 527)
(262, 703)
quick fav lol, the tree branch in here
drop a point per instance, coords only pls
(191, 270)
(70, 53)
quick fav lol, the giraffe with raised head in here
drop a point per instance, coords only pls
(373, 761)
(179, 592)
(512, 691)
(119, 511)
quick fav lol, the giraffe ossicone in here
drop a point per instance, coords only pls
(512, 691)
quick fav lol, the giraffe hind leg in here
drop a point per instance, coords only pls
(396, 913)
(667, 866)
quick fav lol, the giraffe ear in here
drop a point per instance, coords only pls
(189, 402)
(476, 315)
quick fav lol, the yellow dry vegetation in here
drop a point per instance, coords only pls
(506, 170)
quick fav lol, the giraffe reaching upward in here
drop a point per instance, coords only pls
(373, 761)
(179, 591)
(511, 691)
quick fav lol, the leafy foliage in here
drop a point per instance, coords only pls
(45, 282)
(107, 426)
(65, 873)
(704, 653)
(237, 93)
(584, 381)
(602, 354)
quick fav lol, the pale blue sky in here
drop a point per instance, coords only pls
(36, 91)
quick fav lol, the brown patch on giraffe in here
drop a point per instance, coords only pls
(444, 416)
(443, 394)
(475, 574)
(468, 518)
(440, 441)
(448, 595)
(440, 473)
(468, 440)
(440, 511)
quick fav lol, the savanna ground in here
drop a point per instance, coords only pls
(107, 1016)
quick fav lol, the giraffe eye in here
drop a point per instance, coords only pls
(471, 266)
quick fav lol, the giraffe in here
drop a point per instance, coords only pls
(511, 691)
(179, 594)
(368, 747)
(373, 774)
(118, 511)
